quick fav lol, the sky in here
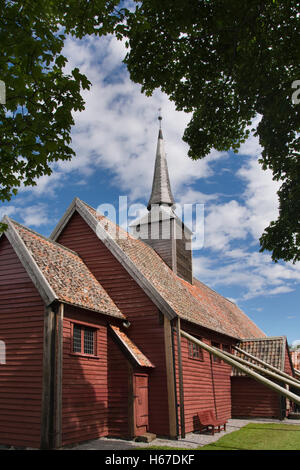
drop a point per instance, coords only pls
(115, 141)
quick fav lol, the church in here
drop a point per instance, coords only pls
(108, 333)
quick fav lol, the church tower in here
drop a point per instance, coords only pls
(161, 228)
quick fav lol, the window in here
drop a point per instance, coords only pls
(195, 351)
(226, 348)
(216, 358)
(83, 340)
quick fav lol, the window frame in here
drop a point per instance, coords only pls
(216, 359)
(192, 346)
(84, 327)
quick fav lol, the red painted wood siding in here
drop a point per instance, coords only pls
(145, 329)
(287, 363)
(118, 385)
(85, 382)
(206, 384)
(253, 399)
(21, 328)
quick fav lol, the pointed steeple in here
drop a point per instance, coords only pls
(161, 189)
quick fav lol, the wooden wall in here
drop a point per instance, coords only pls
(118, 391)
(85, 382)
(253, 399)
(146, 329)
(164, 247)
(184, 257)
(206, 383)
(21, 328)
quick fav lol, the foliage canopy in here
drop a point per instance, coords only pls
(224, 61)
(227, 62)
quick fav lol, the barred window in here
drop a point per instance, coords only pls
(195, 351)
(216, 358)
(83, 339)
(77, 338)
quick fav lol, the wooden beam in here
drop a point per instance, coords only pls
(131, 413)
(59, 376)
(48, 380)
(170, 377)
(265, 364)
(180, 373)
(246, 370)
(264, 371)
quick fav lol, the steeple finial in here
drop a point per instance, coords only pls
(160, 136)
(161, 189)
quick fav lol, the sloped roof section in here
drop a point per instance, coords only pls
(63, 271)
(270, 350)
(131, 348)
(197, 303)
(228, 313)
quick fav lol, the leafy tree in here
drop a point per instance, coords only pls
(227, 61)
(36, 120)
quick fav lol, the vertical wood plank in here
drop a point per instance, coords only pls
(47, 414)
(170, 377)
(180, 373)
(59, 372)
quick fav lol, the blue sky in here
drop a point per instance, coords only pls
(115, 141)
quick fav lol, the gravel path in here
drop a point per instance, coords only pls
(191, 441)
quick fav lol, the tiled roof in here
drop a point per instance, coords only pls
(66, 273)
(197, 303)
(270, 350)
(224, 310)
(132, 349)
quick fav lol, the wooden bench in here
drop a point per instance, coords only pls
(207, 420)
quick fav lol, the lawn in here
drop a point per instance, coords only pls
(255, 436)
(260, 436)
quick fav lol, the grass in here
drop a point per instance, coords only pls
(259, 436)
(254, 436)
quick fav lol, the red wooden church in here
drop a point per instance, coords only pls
(91, 319)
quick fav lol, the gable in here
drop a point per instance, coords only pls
(172, 296)
(58, 273)
(14, 279)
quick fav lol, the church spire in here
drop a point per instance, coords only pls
(161, 189)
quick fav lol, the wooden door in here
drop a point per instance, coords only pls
(141, 403)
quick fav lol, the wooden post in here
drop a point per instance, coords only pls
(180, 372)
(131, 398)
(48, 384)
(59, 372)
(246, 370)
(170, 377)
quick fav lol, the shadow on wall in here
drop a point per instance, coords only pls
(84, 398)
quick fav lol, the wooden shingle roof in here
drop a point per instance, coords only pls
(173, 296)
(59, 273)
(270, 350)
(131, 348)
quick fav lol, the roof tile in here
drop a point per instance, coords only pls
(66, 273)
